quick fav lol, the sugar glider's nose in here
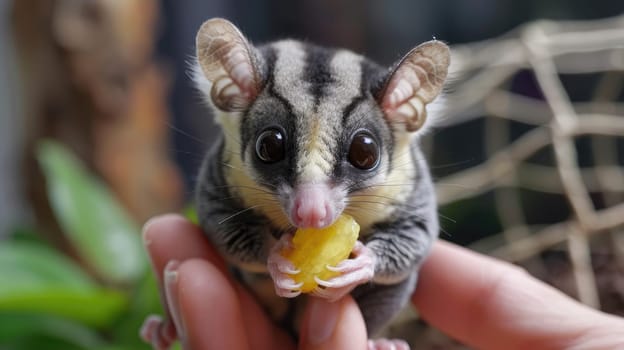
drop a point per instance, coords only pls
(312, 206)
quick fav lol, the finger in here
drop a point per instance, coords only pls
(492, 305)
(337, 325)
(260, 328)
(215, 315)
(208, 308)
(172, 237)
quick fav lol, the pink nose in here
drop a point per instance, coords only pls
(312, 207)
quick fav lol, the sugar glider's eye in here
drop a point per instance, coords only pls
(270, 146)
(364, 151)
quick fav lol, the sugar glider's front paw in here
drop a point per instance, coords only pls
(282, 270)
(355, 271)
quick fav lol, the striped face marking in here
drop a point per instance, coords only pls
(318, 84)
(321, 101)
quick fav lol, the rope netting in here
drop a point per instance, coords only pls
(581, 137)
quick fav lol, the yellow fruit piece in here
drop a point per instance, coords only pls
(314, 249)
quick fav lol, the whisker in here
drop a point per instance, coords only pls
(391, 201)
(243, 170)
(389, 184)
(244, 186)
(190, 153)
(453, 164)
(261, 196)
(355, 186)
(192, 137)
(451, 184)
(445, 232)
(447, 218)
(228, 165)
(354, 209)
(367, 202)
(373, 196)
(238, 213)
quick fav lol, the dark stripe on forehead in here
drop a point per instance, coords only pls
(373, 77)
(317, 71)
(270, 57)
(287, 121)
(291, 129)
(370, 76)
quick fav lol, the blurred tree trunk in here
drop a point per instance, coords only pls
(89, 80)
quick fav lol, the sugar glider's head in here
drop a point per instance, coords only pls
(309, 128)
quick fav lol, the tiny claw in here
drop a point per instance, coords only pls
(292, 294)
(282, 264)
(321, 292)
(333, 268)
(290, 284)
(331, 295)
(323, 283)
(279, 265)
(345, 266)
(289, 270)
(286, 293)
(286, 287)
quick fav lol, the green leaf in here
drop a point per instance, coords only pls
(98, 307)
(36, 279)
(98, 227)
(28, 264)
(36, 331)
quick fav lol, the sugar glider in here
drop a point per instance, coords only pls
(309, 133)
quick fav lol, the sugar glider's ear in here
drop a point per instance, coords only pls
(415, 82)
(227, 61)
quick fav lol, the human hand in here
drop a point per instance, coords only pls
(489, 304)
(485, 303)
(206, 309)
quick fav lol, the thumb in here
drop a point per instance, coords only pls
(337, 325)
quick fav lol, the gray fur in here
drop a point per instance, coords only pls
(320, 98)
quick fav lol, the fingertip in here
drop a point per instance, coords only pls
(158, 221)
(333, 325)
(173, 237)
(157, 235)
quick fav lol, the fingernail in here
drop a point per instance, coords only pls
(171, 272)
(322, 321)
(170, 282)
(146, 225)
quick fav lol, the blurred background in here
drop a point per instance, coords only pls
(101, 128)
